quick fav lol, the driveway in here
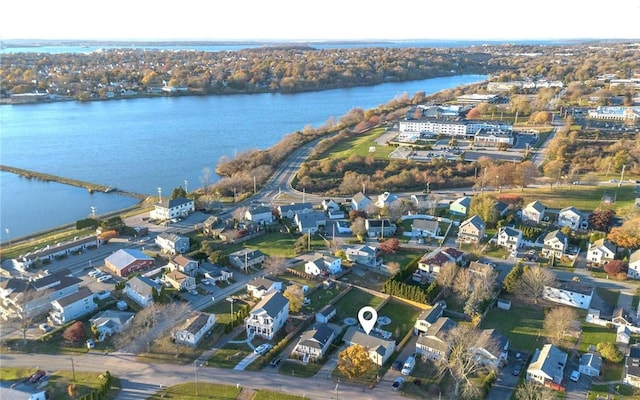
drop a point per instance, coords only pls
(506, 382)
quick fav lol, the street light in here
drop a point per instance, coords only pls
(231, 300)
(195, 367)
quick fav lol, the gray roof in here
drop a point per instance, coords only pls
(536, 205)
(111, 316)
(171, 203)
(196, 324)
(261, 283)
(172, 237)
(124, 257)
(360, 197)
(431, 315)
(475, 221)
(632, 363)
(72, 298)
(463, 201)
(327, 310)
(295, 207)
(317, 336)
(248, 254)
(143, 285)
(501, 206)
(425, 224)
(435, 335)
(556, 234)
(570, 209)
(573, 286)
(272, 303)
(490, 337)
(369, 342)
(510, 232)
(591, 360)
(548, 360)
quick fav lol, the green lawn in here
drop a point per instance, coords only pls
(522, 324)
(427, 372)
(269, 395)
(299, 370)
(402, 315)
(187, 391)
(608, 295)
(594, 334)
(360, 145)
(322, 296)
(352, 302)
(584, 197)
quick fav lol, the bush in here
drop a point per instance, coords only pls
(610, 352)
(75, 333)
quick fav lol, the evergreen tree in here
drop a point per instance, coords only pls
(511, 280)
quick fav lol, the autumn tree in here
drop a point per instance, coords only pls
(446, 277)
(616, 269)
(558, 322)
(627, 235)
(474, 113)
(390, 245)
(354, 361)
(533, 281)
(609, 351)
(75, 333)
(600, 220)
(525, 174)
(302, 244)
(482, 206)
(295, 295)
(529, 390)
(461, 361)
(358, 228)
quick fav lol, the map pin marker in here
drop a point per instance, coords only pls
(367, 324)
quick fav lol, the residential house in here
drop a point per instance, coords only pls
(533, 213)
(22, 297)
(310, 222)
(433, 343)
(427, 318)
(424, 201)
(385, 199)
(259, 215)
(571, 217)
(590, 364)
(425, 228)
(172, 243)
(314, 343)
(509, 238)
(72, 307)
(180, 281)
(460, 206)
(631, 374)
(634, 265)
(215, 273)
(185, 265)
(621, 316)
(290, 210)
(471, 230)
(194, 328)
(246, 258)
(364, 254)
(325, 314)
(259, 287)
(51, 253)
(601, 252)
(571, 293)
(381, 227)
(140, 290)
(501, 208)
(430, 264)
(330, 205)
(22, 392)
(360, 202)
(172, 208)
(492, 349)
(125, 262)
(554, 244)
(323, 265)
(547, 365)
(213, 225)
(379, 349)
(110, 322)
(268, 316)
(623, 334)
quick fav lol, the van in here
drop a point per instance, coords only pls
(408, 366)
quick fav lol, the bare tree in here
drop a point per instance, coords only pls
(275, 265)
(462, 362)
(533, 281)
(462, 284)
(484, 280)
(358, 227)
(446, 276)
(530, 390)
(238, 213)
(558, 322)
(205, 180)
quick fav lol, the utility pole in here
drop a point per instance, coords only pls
(186, 182)
(159, 195)
(621, 176)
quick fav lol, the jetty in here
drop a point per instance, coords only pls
(91, 187)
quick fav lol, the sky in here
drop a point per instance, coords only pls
(319, 20)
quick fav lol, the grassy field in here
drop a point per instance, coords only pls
(60, 380)
(269, 395)
(594, 334)
(522, 324)
(352, 302)
(582, 197)
(402, 317)
(360, 145)
(187, 391)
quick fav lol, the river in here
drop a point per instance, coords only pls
(144, 144)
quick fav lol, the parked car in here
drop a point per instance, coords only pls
(104, 278)
(397, 365)
(263, 348)
(397, 383)
(44, 328)
(37, 376)
(275, 362)
(408, 366)
(516, 370)
(575, 375)
(91, 344)
(94, 273)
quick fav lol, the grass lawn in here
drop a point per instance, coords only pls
(608, 295)
(522, 324)
(403, 317)
(611, 371)
(427, 373)
(616, 391)
(269, 395)
(299, 370)
(60, 380)
(352, 302)
(360, 145)
(187, 391)
(594, 334)
(585, 197)
(322, 296)
(228, 357)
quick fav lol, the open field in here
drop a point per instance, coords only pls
(59, 381)
(582, 197)
(403, 317)
(352, 302)
(187, 391)
(360, 145)
(522, 325)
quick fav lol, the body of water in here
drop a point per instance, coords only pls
(144, 144)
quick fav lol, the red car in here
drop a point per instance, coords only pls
(37, 376)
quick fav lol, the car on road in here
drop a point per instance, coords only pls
(263, 348)
(397, 383)
(575, 375)
(275, 362)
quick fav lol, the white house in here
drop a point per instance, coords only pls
(623, 334)
(509, 238)
(634, 265)
(140, 290)
(379, 349)
(310, 222)
(184, 264)
(571, 217)
(314, 343)
(547, 365)
(325, 314)
(172, 243)
(571, 293)
(259, 215)
(381, 227)
(433, 343)
(110, 322)
(590, 364)
(323, 265)
(290, 210)
(533, 213)
(431, 263)
(246, 258)
(172, 208)
(330, 205)
(385, 199)
(268, 316)
(360, 201)
(601, 252)
(195, 327)
(471, 230)
(425, 228)
(73, 306)
(179, 280)
(554, 244)
(363, 254)
(427, 318)
(22, 392)
(50, 252)
(259, 287)
(460, 206)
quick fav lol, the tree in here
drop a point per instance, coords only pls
(390, 245)
(530, 390)
(150, 323)
(474, 113)
(447, 276)
(295, 295)
(533, 281)
(354, 361)
(525, 174)
(462, 284)
(178, 192)
(393, 267)
(461, 361)
(75, 333)
(610, 352)
(358, 227)
(558, 322)
(275, 265)
(600, 220)
(302, 244)
(616, 269)
(482, 206)
(510, 282)
(627, 235)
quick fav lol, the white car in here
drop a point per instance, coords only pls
(94, 273)
(263, 348)
(104, 278)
